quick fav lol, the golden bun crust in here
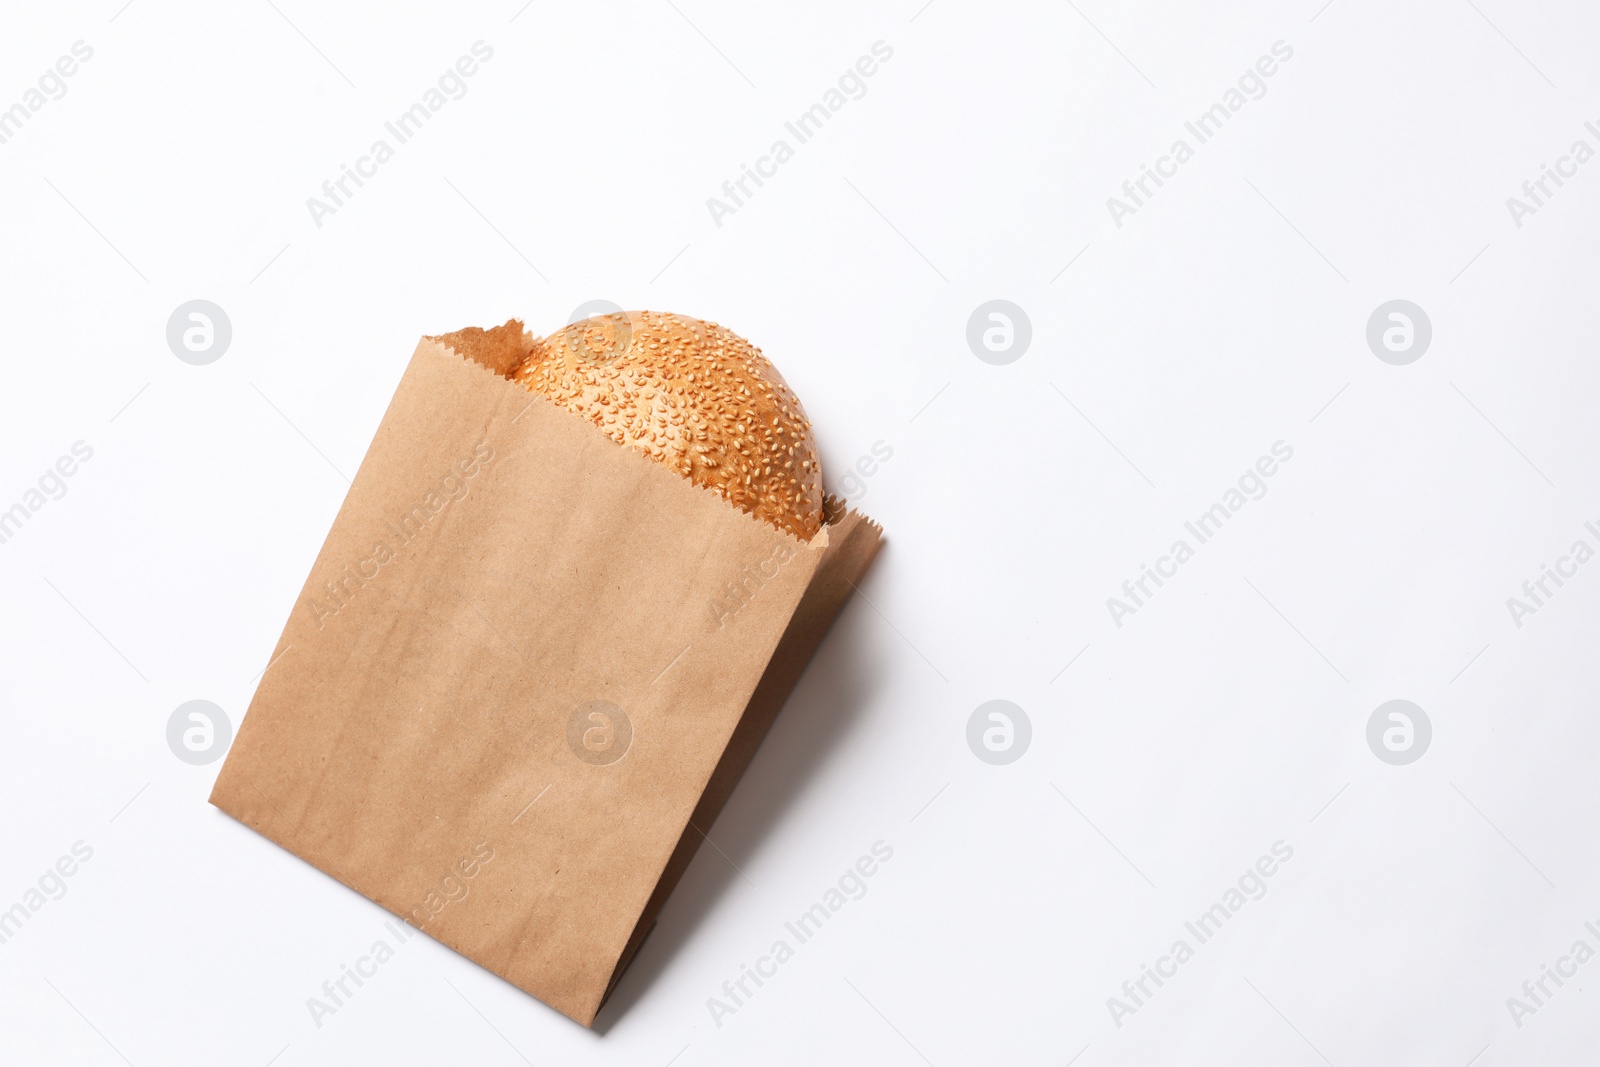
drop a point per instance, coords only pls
(694, 396)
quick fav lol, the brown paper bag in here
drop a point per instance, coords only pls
(526, 672)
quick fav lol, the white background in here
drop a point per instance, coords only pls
(1227, 314)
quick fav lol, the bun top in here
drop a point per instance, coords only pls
(694, 396)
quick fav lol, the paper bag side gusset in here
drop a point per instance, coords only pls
(855, 542)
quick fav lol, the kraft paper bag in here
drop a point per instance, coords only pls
(524, 675)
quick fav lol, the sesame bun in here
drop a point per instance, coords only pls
(694, 396)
